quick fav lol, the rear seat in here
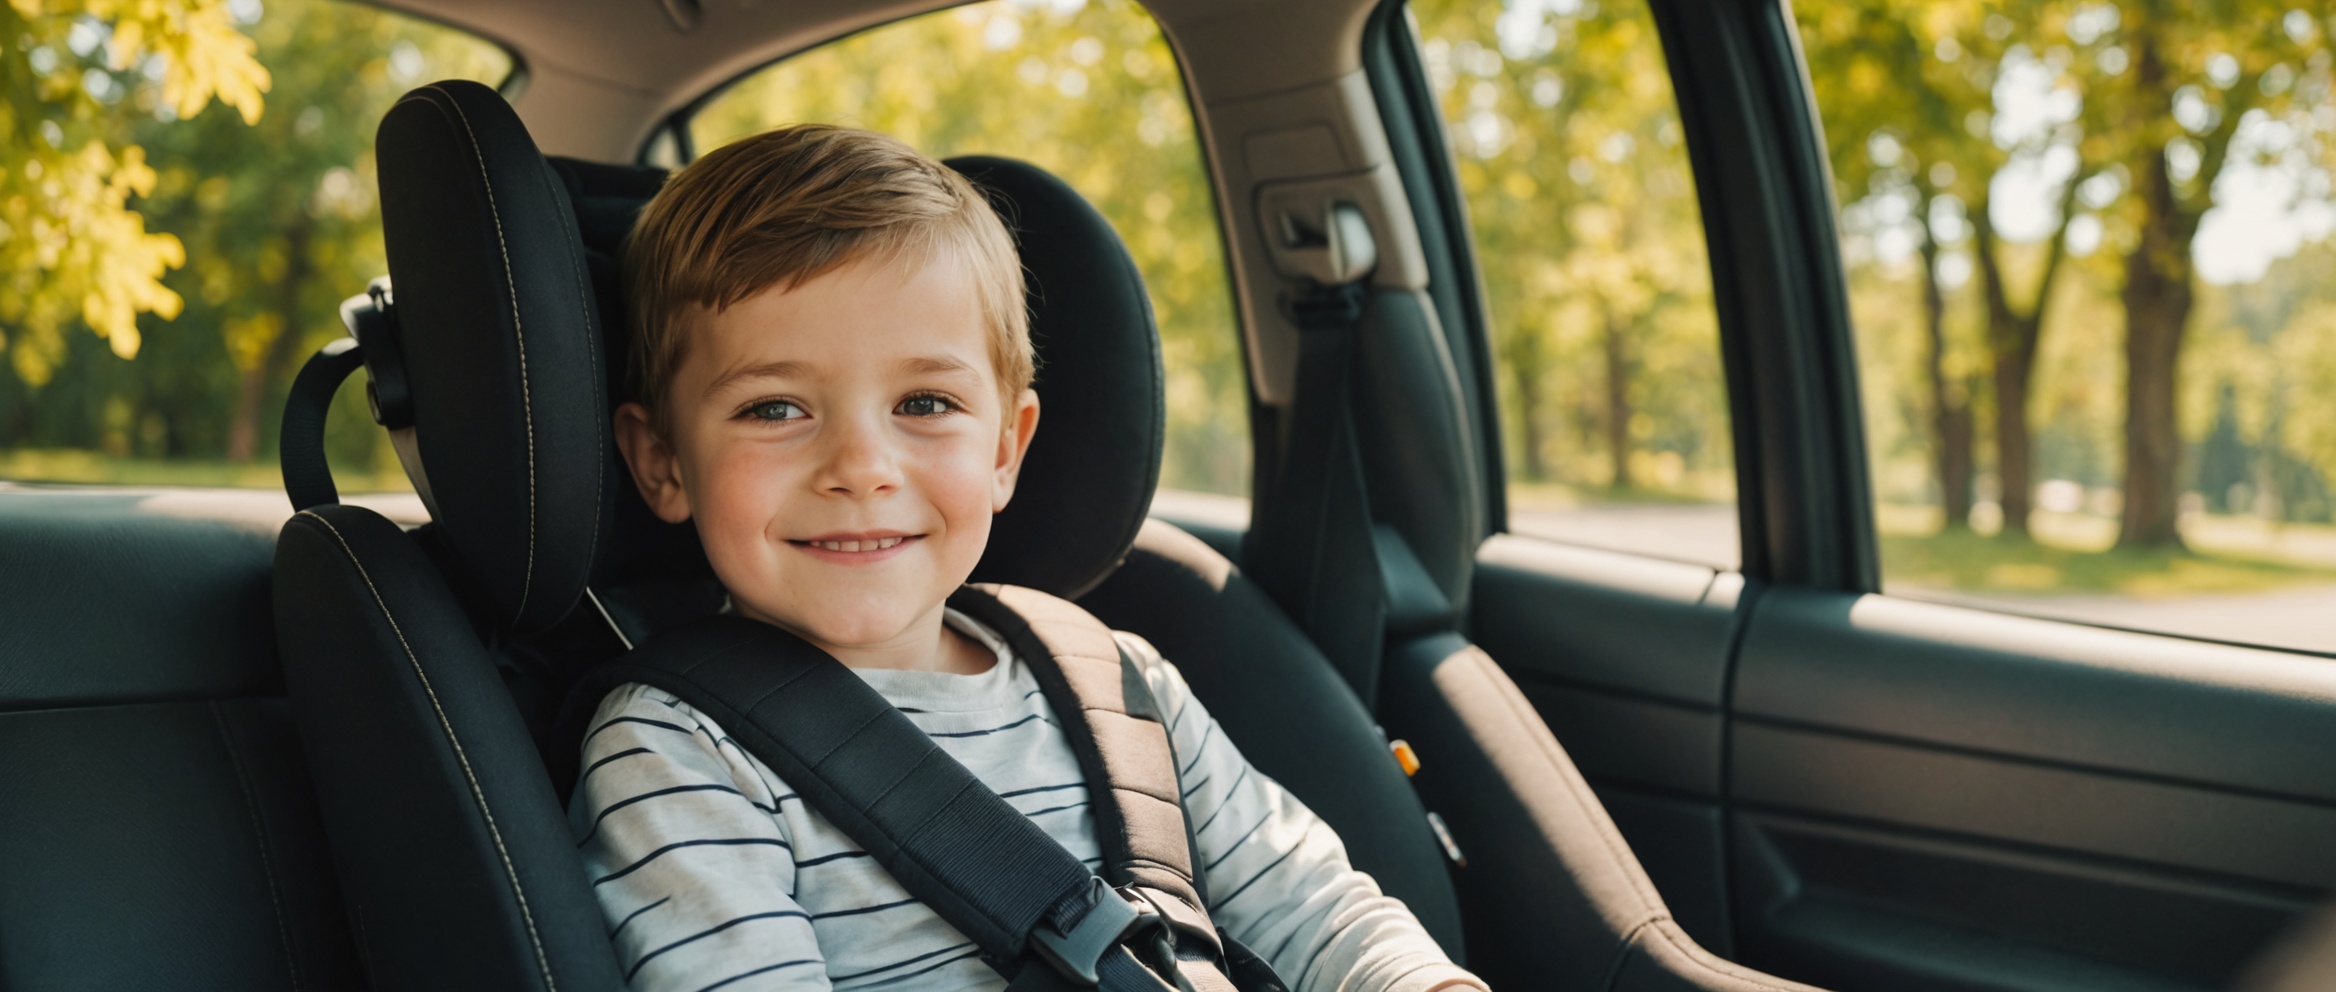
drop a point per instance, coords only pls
(157, 829)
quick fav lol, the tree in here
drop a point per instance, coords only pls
(70, 243)
(1570, 154)
(2197, 75)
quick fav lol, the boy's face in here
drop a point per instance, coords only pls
(842, 447)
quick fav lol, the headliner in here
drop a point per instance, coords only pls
(601, 74)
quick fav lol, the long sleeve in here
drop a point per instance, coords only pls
(693, 867)
(1278, 877)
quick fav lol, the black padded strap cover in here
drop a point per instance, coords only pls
(950, 841)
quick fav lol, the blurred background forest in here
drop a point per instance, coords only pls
(2089, 246)
(232, 227)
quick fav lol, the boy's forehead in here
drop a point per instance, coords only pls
(862, 317)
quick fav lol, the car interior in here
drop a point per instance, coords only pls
(259, 745)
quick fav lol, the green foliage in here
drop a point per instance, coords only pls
(1573, 164)
(71, 247)
(269, 220)
(1089, 91)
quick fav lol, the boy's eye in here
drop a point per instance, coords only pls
(774, 410)
(927, 405)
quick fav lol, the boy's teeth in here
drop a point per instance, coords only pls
(878, 544)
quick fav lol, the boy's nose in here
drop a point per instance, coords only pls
(860, 461)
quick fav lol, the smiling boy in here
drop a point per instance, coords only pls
(835, 373)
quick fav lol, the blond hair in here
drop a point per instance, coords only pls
(784, 207)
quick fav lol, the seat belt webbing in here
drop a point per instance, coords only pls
(1313, 548)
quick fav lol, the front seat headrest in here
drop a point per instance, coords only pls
(498, 339)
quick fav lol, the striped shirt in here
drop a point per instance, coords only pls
(713, 874)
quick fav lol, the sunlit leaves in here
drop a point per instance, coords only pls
(1568, 146)
(72, 245)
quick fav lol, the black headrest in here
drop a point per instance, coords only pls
(498, 340)
(492, 251)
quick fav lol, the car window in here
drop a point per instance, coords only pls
(2090, 262)
(1569, 153)
(172, 257)
(1089, 91)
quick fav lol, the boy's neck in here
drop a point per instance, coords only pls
(928, 645)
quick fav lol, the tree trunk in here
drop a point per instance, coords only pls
(2157, 298)
(1526, 369)
(253, 386)
(1950, 407)
(2012, 340)
(1617, 340)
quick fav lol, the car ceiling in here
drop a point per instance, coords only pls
(602, 74)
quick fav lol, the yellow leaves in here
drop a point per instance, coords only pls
(204, 56)
(76, 249)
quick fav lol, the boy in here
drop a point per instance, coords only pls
(835, 367)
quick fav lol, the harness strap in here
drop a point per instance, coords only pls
(308, 480)
(950, 841)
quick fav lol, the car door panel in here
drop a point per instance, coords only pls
(1934, 796)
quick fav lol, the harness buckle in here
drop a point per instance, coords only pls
(1078, 955)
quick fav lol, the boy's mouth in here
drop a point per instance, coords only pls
(859, 546)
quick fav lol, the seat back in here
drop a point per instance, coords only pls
(158, 824)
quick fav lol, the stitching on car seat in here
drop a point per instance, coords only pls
(478, 795)
(592, 355)
(526, 402)
(259, 828)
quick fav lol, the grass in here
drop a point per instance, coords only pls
(2075, 553)
(1560, 496)
(62, 465)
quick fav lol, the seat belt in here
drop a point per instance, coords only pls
(946, 837)
(1313, 546)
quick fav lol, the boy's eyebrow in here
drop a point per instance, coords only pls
(934, 365)
(760, 370)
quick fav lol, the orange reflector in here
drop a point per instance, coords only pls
(1405, 757)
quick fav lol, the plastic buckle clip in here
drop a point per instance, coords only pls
(1079, 954)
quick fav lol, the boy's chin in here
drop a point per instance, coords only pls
(846, 626)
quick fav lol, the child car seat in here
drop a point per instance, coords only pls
(491, 364)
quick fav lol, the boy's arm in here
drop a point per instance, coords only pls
(1278, 877)
(693, 870)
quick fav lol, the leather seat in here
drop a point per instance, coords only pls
(158, 826)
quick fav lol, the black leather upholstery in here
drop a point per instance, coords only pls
(156, 819)
(455, 854)
(501, 348)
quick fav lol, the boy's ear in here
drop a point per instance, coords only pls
(1021, 421)
(656, 469)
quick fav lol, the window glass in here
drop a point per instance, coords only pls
(1569, 151)
(1089, 91)
(207, 241)
(2090, 259)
